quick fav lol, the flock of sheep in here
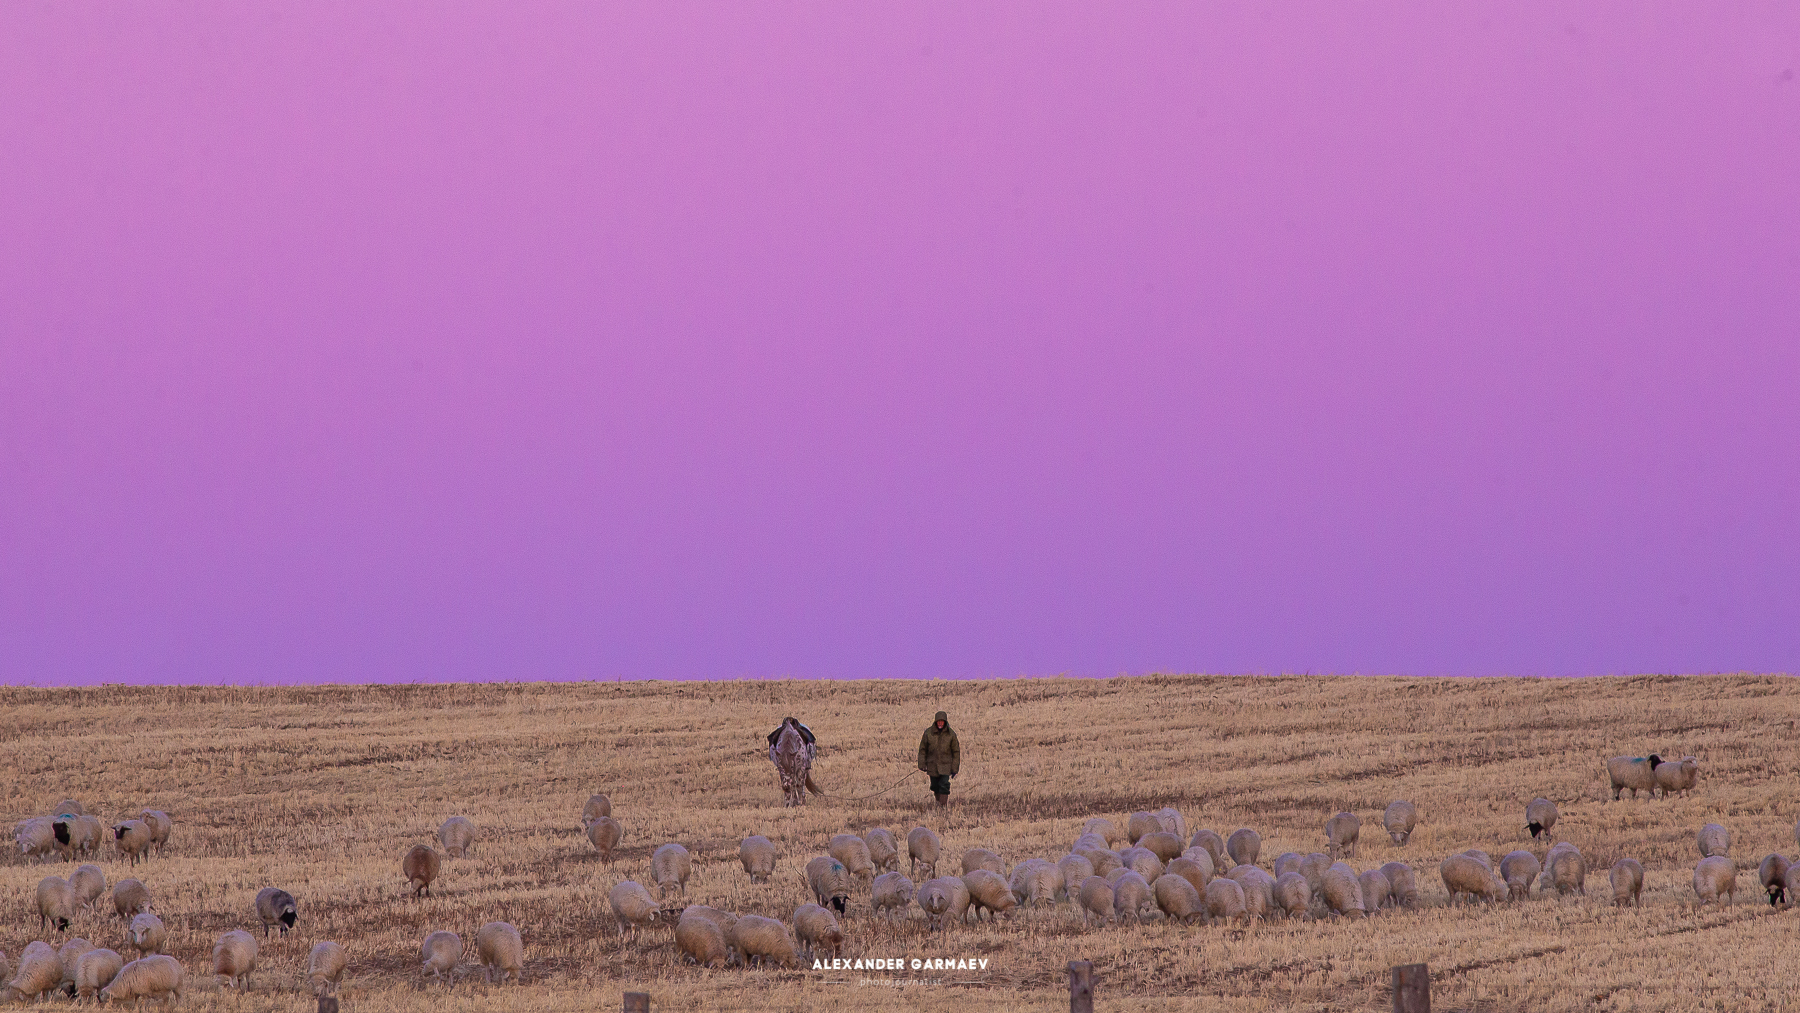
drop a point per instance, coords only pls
(1161, 873)
(82, 970)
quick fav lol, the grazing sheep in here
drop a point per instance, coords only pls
(1095, 899)
(130, 897)
(1715, 875)
(35, 837)
(147, 934)
(702, 941)
(1403, 885)
(670, 866)
(633, 907)
(1518, 870)
(988, 891)
(1540, 816)
(88, 882)
(1074, 869)
(982, 858)
(1199, 873)
(1178, 899)
(1035, 882)
(605, 834)
(819, 929)
(1677, 775)
(420, 867)
(764, 940)
(1139, 824)
(1103, 861)
(1132, 899)
(1259, 889)
(440, 953)
(1637, 773)
(502, 952)
(1104, 827)
(596, 807)
(1341, 832)
(1627, 877)
(1292, 894)
(276, 907)
(324, 966)
(1482, 856)
(233, 958)
(1399, 819)
(76, 835)
(160, 825)
(1171, 820)
(1164, 845)
(1791, 882)
(1287, 861)
(1225, 901)
(95, 970)
(69, 807)
(853, 851)
(829, 882)
(1142, 861)
(924, 848)
(1565, 869)
(1465, 875)
(132, 838)
(157, 977)
(1374, 887)
(39, 972)
(1313, 867)
(56, 903)
(1112, 878)
(883, 850)
(1244, 846)
(1772, 874)
(891, 892)
(1214, 845)
(758, 855)
(1342, 892)
(943, 899)
(457, 835)
(1712, 840)
(67, 956)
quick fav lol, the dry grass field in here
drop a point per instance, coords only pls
(321, 790)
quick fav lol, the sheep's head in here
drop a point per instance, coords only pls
(840, 902)
(62, 832)
(1655, 760)
(62, 925)
(1535, 828)
(1777, 893)
(119, 832)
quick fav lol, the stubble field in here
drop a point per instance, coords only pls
(321, 790)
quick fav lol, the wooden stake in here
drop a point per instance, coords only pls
(1081, 986)
(637, 1002)
(1412, 989)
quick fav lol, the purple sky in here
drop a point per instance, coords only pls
(897, 339)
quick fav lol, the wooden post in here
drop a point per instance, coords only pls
(1081, 986)
(637, 1002)
(1412, 988)
(328, 1005)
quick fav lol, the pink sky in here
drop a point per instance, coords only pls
(581, 340)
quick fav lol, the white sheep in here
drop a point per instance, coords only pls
(891, 892)
(95, 970)
(1214, 845)
(130, 897)
(89, 882)
(1627, 878)
(56, 903)
(1293, 894)
(420, 867)
(147, 934)
(1095, 900)
(924, 848)
(1399, 819)
(457, 835)
(596, 807)
(1132, 899)
(818, 928)
(605, 834)
(1343, 891)
(1713, 839)
(1403, 884)
(502, 953)
(633, 906)
(1341, 832)
(1178, 899)
(764, 940)
(1637, 773)
(670, 866)
(276, 907)
(1464, 875)
(757, 853)
(1225, 901)
(157, 977)
(829, 882)
(39, 972)
(1677, 775)
(1518, 869)
(325, 966)
(1244, 846)
(853, 851)
(1772, 872)
(233, 958)
(884, 851)
(1566, 869)
(440, 953)
(988, 891)
(1715, 875)
(1540, 816)
(982, 858)
(1374, 887)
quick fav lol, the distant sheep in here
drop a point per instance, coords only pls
(77, 835)
(943, 899)
(1313, 867)
(1540, 816)
(1164, 845)
(1403, 885)
(1565, 869)
(605, 834)
(440, 953)
(157, 977)
(1035, 882)
(132, 838)
(1627, 879)
(764, 940)
(233, 958)
(1177, 899)
(853, 851)
(56, 903)
(457, 835)
(1095, 900)
(757, 853)
(596, 807)
(502, 952)
(819, 930)
(982, 858)
(39, 973)
(1343, 892)
(1464, 875)
(1139, 824)
(1142, 861)
(95, 970)
(1194, 872)
(1772, 874)
(324, 967)
(1715, 875)
(701, 941)
(276, 908)
(1259, 889)
(35, 837)
(1075, 869)
(829, 882)
(670, 867)
(160, 827)
(1399, 819)
(1170, 819)
(1341, 832)
(1244, 846)
(420, 867)
(1287, 861)
(632, 906)
(1638, 773)
(891, 892)
(1374, 887)
(1102, 861)
(89, 883)
(884, 851)
(924, 848)
(1712, 840)
(1105, 828)
(1677, 775)
(147, 934)
(67, 956)
(1225, 901)
(1292, 894)
(1518, 869)
(988, 891)
(130, 897)
(1132, 900)
(1214, 845)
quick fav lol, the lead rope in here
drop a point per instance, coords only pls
(859, 798)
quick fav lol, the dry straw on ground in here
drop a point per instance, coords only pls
(322, 790)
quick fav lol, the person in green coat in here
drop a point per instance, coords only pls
(940, 755)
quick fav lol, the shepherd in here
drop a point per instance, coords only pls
(792, 749)
(940, 755)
